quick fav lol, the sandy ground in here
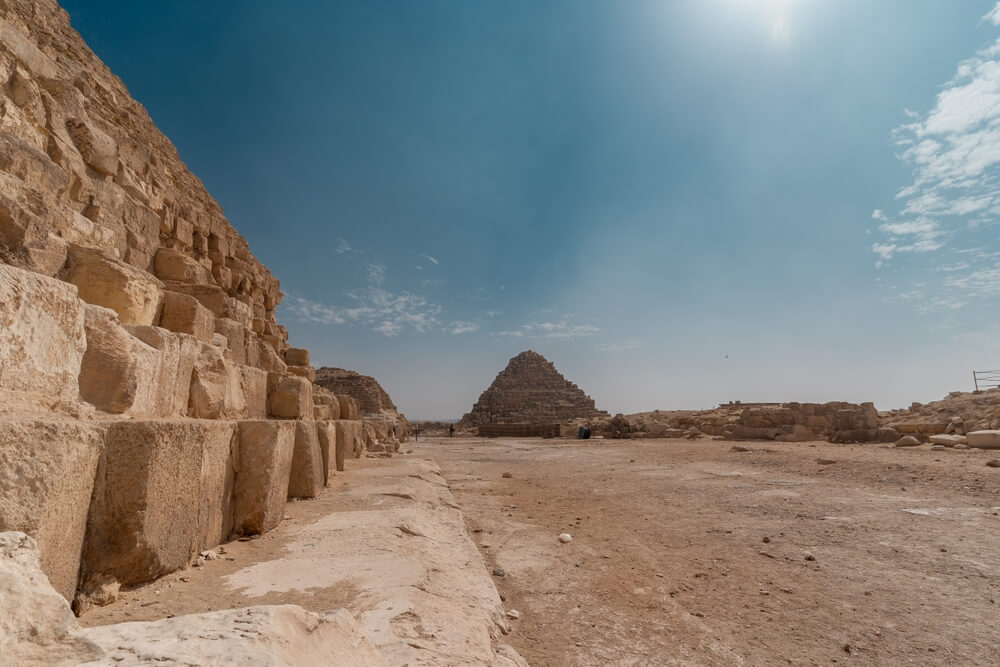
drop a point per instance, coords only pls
(686, 552)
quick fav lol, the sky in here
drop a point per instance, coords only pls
(679, 203)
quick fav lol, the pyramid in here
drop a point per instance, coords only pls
(531, 391)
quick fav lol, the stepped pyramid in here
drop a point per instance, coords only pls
(531, 391)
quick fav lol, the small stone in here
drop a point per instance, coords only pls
(498, 572)
(907, 441)
(565, 537)
(993, 463)
(766, 539)
(185, 579)
(961, 446)
(200, 562)
(507, 475)
(809, 556)
(209, 555)
(938, 448)
(825, 462)
(513, 614)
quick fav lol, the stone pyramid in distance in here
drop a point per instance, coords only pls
(531, 391)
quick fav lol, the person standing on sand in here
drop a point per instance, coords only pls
(451, 430)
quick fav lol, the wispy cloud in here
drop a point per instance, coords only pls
(954, 153)
(383, 311)
(458, 328)
(550, 331)
(431, 259)
(344, 248)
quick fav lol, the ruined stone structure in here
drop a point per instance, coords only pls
(150, 405)
(531, 391)
(371, 397)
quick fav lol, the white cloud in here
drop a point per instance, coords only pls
(458, 328)
(376, 274)
(431, 259)
(954, 153)
(344, 248)
(551, 331)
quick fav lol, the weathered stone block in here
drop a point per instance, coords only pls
(349, 438)
(307, 372)
(119, 372)
(327, 432)
(185, 314)
(221, 388)
(321, 412)
(172, 264)
(263, 469)
(47, 471)
(255, 391)
(104, 281)
(156, 497)
(42, 336)
(348, 408)
(984, 439)
(238, 339)
(307, 478)
(289, 397)
(171, 386)
(297, 356)
(97, 149)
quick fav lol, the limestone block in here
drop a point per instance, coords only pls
(307, 372)
(984, 439)
(217, 386)
(213, 298)
(266, 358)
(97, 149)
(948, 440)
(218, 483)
(104, 281)
(185, 314)
(348, 408)
(263, 468)
(159, 495)
(289, 397)
(350, 438)
(297, 356)
(255, 391)
(238, 338)
(172, 264)
(36, 624)
(327, 432)
(307, 478)
(119, 372)
(171, 387)
(321, 412)
(47, 471)
(42, 335)
(270, 635)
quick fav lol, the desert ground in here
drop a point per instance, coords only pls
(683, 552)
(688, 552)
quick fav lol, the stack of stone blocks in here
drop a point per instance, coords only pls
(150, 405)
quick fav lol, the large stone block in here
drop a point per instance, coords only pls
(172, 385)
(327, 432)
(119, 372)
(348, 407)
(185, 314)
(349, 438)
(47, 471)
(255, 391)
(104, 281)
(289, 397)
(42, 336)
(238, 339)
(984, 439)
(264, 464)
(172, 264)
(307, 478)
(297, 356)
(222, 388)
(160, 495)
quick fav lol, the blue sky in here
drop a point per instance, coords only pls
(678, 203)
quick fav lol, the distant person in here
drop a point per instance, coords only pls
(451, 430)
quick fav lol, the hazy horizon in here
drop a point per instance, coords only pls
(678, 204)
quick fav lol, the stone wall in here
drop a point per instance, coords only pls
(150, 405)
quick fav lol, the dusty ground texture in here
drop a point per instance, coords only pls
(687, 552)
(385, 541)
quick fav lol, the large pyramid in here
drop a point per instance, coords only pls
(531, 391)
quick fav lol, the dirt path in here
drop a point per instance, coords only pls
(690, 553)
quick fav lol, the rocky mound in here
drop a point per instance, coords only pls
(958, 412)
(531, 391)
(371, 397)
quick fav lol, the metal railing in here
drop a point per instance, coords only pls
(986, 379)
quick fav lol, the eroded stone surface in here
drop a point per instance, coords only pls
(262, 474)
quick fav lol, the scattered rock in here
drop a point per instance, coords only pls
(507, 475)
(499, 572)
(809, 556)
(209, 555)
(513, 614)
(766, 539)
(961, 446)
(938, 448)
(565, 537)
(993, 463)
(736, 449)
(825, 462)
(200, 562)
(907, 441)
